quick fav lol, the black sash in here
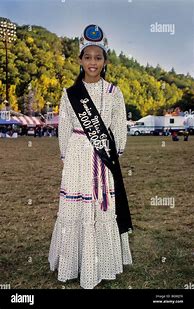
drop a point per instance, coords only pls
(104, 144)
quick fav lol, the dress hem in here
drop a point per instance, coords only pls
(82, 286)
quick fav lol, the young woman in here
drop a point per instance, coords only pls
(90, 236)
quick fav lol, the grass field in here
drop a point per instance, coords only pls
(162, 242)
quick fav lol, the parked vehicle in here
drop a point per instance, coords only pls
(161, 125)
(143, 126)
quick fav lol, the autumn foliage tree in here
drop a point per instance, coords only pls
(43, 63)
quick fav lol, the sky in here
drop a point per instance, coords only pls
(151, 31)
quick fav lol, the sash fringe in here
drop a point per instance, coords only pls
(100, 184)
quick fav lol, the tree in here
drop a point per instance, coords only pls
(50, 63)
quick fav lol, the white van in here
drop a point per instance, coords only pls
(145, 125)
(157, 124)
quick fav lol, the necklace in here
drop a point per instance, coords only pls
(102, 92)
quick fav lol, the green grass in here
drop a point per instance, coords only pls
(162, 242)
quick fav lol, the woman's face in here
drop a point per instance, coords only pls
(92, 62)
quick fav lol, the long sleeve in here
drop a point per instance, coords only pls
(119, 121)
(65, 127)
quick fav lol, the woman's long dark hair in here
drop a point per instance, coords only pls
(82, 73)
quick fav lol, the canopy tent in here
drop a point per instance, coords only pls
(9, 122)
(29, 121)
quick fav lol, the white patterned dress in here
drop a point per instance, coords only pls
(86, 239)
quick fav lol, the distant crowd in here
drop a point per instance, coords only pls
(9, 131)
(175, 137)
